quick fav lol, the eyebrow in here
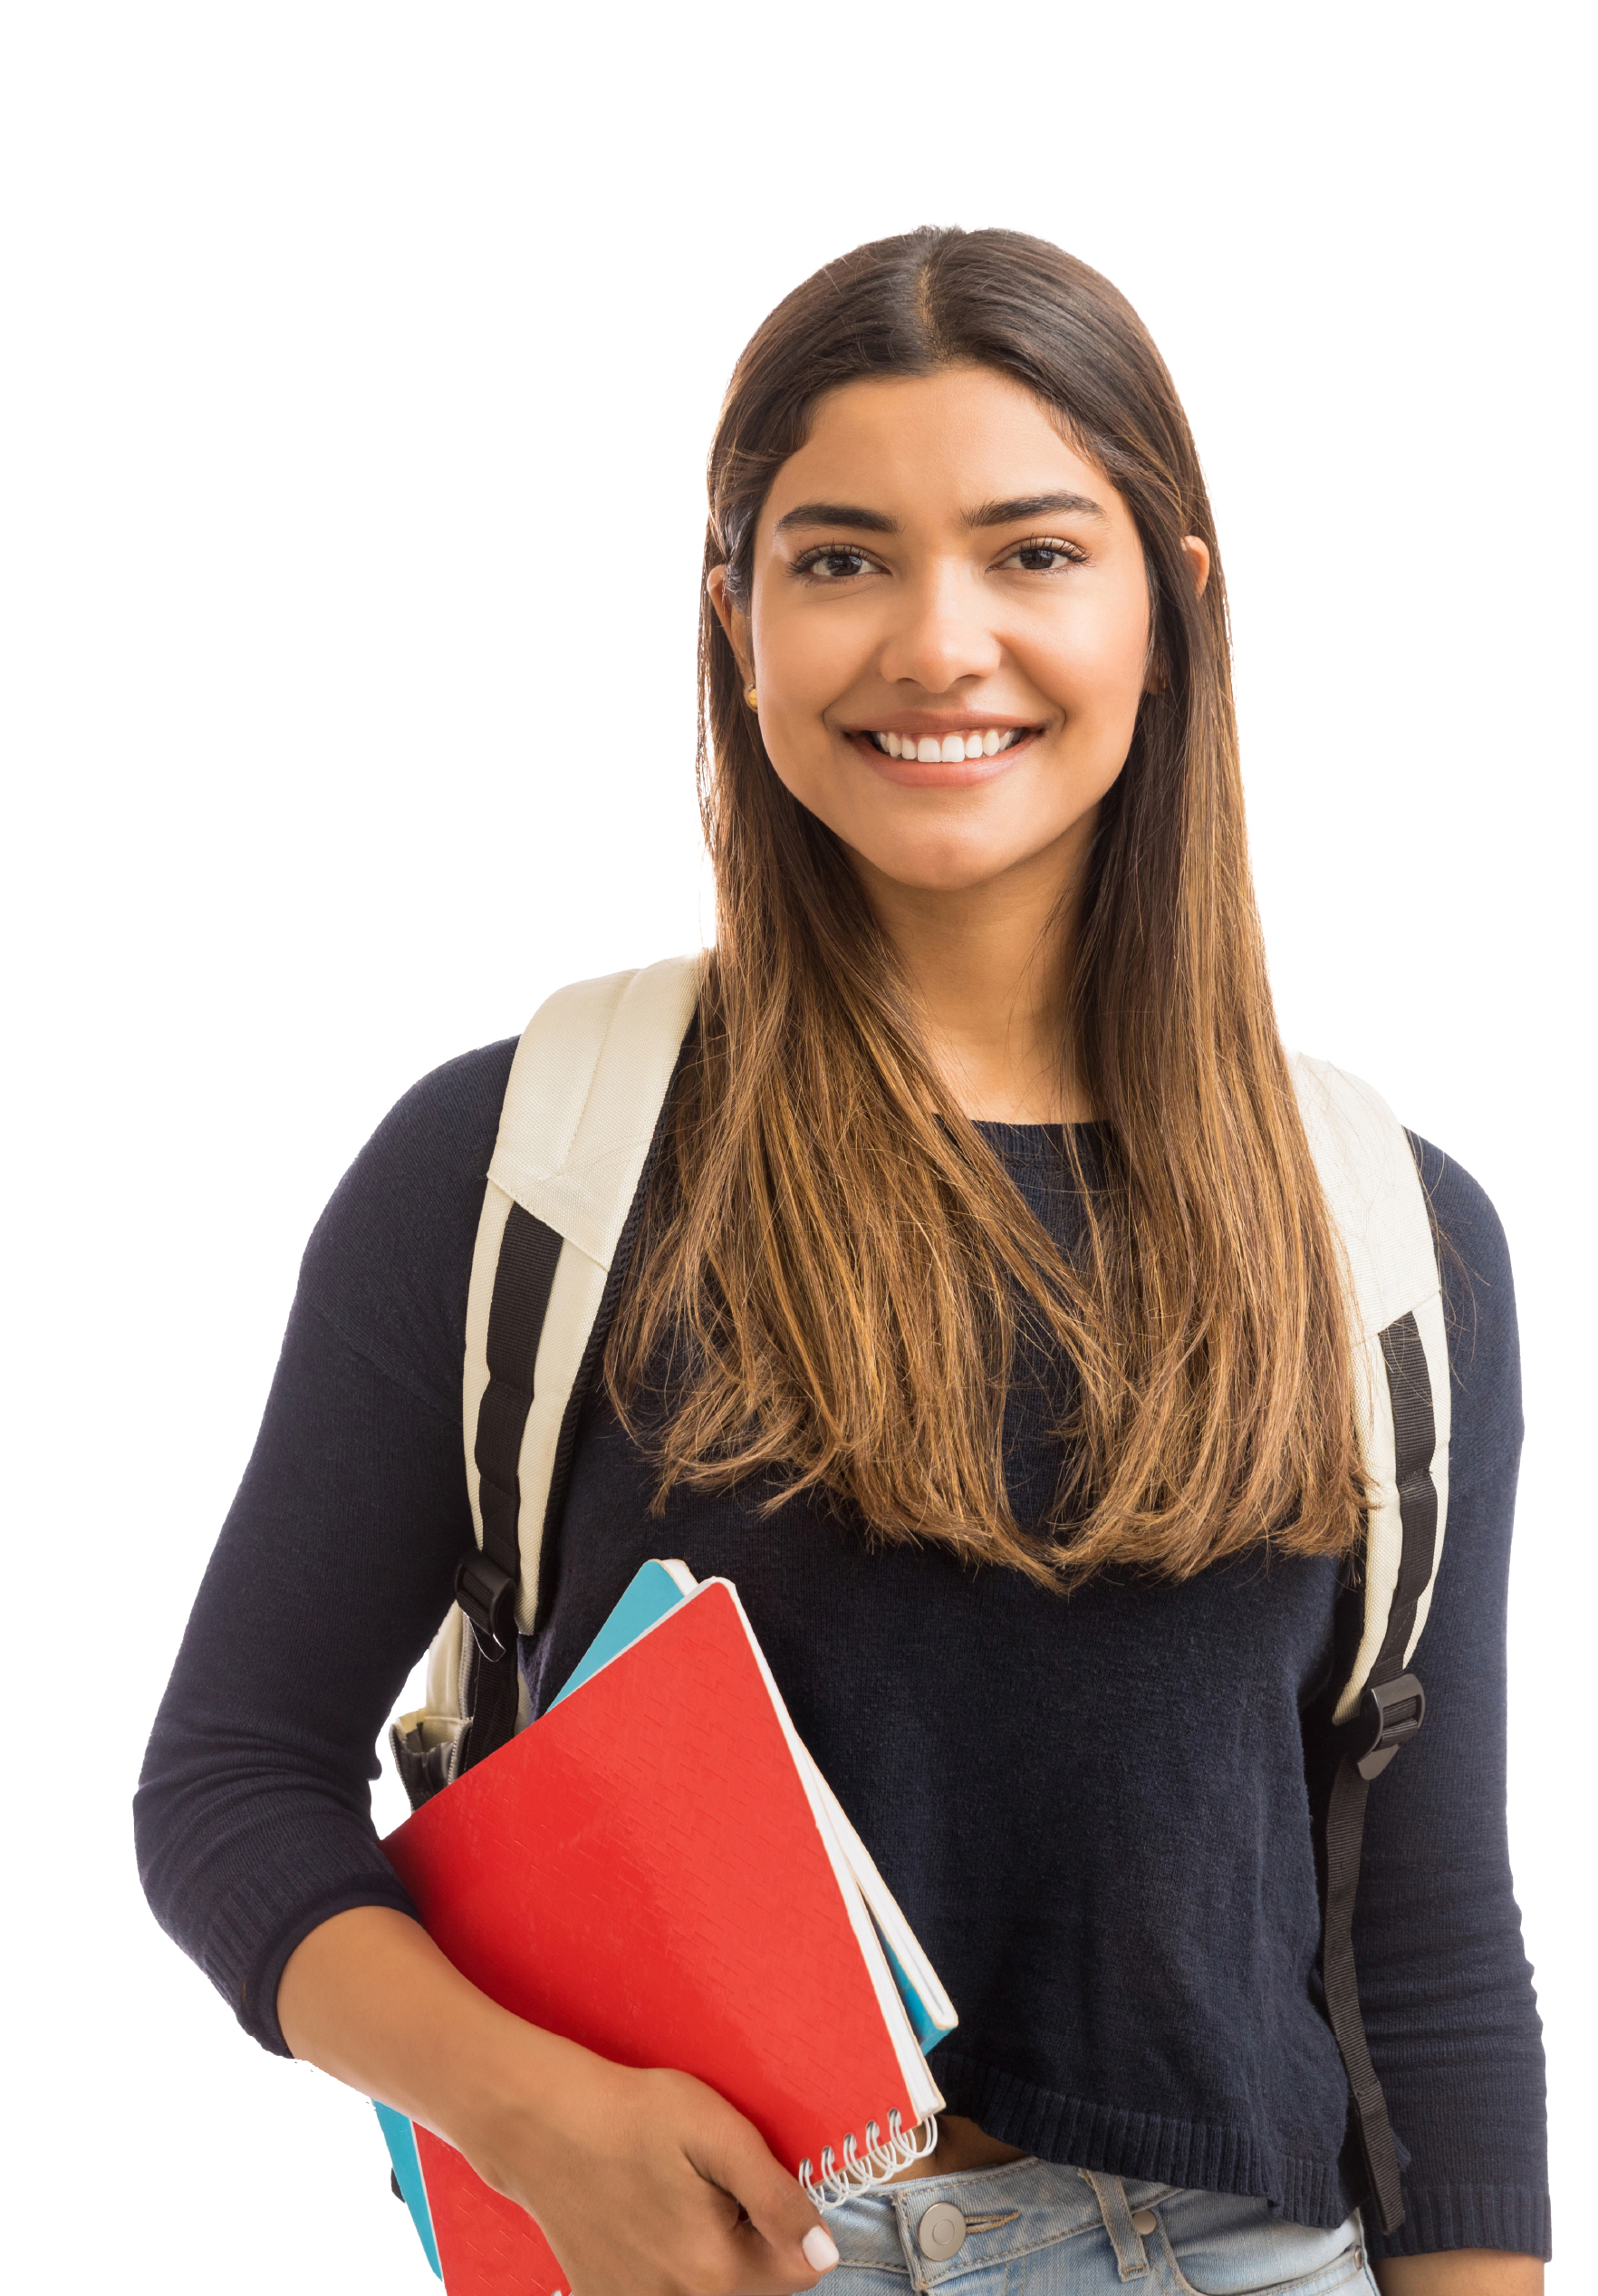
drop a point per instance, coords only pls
(1019, 507)
(838, 514)
(989, 514)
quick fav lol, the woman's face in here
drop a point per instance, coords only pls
(948, 629)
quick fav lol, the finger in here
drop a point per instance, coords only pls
(818, 2248)
(782, 2219)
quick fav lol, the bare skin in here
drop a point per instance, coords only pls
(995, 581)
(1461, 2271)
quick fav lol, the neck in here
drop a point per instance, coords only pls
(988, 965)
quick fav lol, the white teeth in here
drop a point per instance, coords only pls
(953, 748)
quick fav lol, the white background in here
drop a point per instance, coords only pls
(361, 365)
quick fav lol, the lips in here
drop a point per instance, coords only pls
(919, 757)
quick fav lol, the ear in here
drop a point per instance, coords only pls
(733, 621)
(1197, 555)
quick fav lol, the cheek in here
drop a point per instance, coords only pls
(1096, 665)
(805, 662)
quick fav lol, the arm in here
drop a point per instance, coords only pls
(645, 2184)
(1461, 2271)
(334, 1567)
(1444, 1981)
(256, 1839)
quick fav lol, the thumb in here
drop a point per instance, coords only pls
(790, 2226)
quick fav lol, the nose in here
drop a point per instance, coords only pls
(940, 633)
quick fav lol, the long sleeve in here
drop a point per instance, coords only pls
(1445, 1985)
(334, 1566)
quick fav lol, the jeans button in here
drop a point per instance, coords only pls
(1145, 2222)
(941, 2233)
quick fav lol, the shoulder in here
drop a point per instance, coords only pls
(1463, 1215)
(442, 1126)
(389, 1262)
(1477, 1284)
(1368, 1165)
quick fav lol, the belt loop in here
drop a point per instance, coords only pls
(1110, 2194)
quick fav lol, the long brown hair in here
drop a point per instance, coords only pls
(833, 1264)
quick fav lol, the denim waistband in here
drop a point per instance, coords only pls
(1206, 2240)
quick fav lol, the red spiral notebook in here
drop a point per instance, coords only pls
(652, 1869)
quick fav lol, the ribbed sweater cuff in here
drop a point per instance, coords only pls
(257, 1926)
(1514, 2217)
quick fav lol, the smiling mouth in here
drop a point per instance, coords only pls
(950, 748)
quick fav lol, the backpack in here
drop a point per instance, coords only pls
(564, 1193)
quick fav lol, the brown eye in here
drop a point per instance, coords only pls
(835, 562)
(1044, 557)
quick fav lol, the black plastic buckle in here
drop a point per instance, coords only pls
(488, 1596)
(1390, 1713)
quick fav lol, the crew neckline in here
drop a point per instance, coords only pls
(1035, 1146)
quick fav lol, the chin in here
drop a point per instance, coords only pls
(940, 868)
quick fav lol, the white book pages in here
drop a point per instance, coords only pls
(903, 1941)
(925, 2095)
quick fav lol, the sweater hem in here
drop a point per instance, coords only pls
(1074, 2132)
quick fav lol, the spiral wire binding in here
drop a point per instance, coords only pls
(862, 2172)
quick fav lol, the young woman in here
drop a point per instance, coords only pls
(983, 1326)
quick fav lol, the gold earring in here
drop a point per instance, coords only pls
(751, 697)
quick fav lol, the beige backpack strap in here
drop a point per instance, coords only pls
(585, 1093)
(586, 1088)
(1401, 1399)
(1401, 1406)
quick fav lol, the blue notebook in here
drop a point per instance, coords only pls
(400, 2138)
(655, 1590)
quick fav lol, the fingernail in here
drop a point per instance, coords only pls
(820, 2252)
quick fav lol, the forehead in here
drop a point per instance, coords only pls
(921, 446)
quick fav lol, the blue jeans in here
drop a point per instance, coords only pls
(1032, 2229)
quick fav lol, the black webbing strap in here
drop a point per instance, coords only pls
(1390, 1713)
(487, 1582)
(1345, 1827)
(1414, 1428)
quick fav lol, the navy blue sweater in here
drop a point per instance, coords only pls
(1097, 1810)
